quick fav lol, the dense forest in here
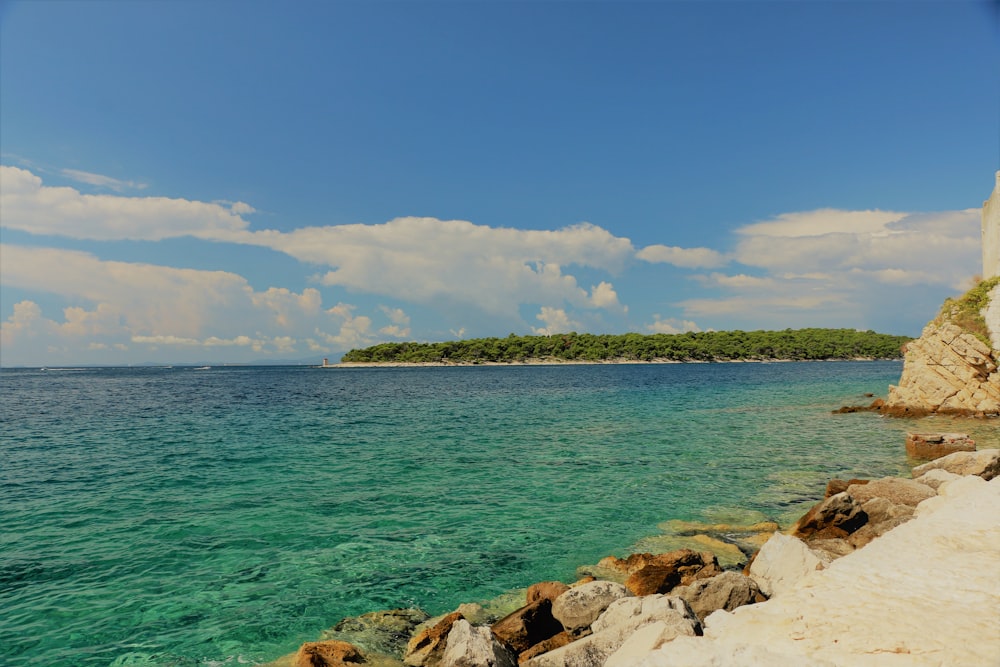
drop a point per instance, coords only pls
(799, 344)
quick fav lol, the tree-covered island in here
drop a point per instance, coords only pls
(790, 345)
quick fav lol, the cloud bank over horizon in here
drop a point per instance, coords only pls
(419, 278)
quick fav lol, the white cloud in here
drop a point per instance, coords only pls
(400, 327)
(101, 181)
(688, 258)
(556, 321)
(27, 205)
(603, 295)
(831, 267)
(148, 305)
(823, 221)
(671, 326)
(354, 330)
(431, 261)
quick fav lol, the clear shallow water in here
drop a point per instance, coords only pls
(189, 517)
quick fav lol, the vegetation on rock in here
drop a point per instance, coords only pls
(966, 311)
(797, 345)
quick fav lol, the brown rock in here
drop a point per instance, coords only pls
(528, 625)
(427, 646)
(896, 490)
(930, 446)
(663, 572)
(728, 591)
(550, 644)
(331, 653)
(836, 517)
(835, 486)
(546, 590)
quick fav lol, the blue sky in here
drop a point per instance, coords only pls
(240, 181)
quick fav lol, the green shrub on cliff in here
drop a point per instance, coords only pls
(965, 311)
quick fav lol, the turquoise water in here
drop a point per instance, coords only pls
(193, 517)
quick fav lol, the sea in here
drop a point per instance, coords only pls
(222, 516)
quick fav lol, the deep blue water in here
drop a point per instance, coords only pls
(184, 517)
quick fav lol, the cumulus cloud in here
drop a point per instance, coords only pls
(555, 320)
(149, 305)
(28, 205)
(671, 326)
(400, 327)
(353, 331)
(426, 260)
(829, 267)
(687, 258)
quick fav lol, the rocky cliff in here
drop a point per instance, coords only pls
(952, 367)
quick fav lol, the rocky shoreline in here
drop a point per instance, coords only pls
(889, 571)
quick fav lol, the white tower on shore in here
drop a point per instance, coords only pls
(991, 233)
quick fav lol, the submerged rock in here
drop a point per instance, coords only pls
(382, 632)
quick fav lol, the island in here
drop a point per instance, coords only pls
(706, 346)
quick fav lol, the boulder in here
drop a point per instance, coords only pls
(728, 591)
(527, 626)
(782, 563)
(835, 485)
(580, 606)
(896, 490)
(984, 463)
(663, 572)
(931, 446)
(332, 653)
(426, 648)
(547, 590)
(470, 646)
(936, 477)
(640, 643)
(837, 516)
(550, 644)
(619, 622)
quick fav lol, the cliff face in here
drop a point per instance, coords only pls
(950, 370)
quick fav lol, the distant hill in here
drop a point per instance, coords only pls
(797, 344)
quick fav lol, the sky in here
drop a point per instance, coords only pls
(239, 182)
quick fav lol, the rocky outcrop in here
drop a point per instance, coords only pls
(883, 573)
(985, 464)
(946, 370)
(923, 594)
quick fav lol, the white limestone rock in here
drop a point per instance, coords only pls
(471, 646)
(782, 563)
(936, 477)
(578, 607)
(617, 624)
(985, 463)
(643, 641)
(924, 594)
